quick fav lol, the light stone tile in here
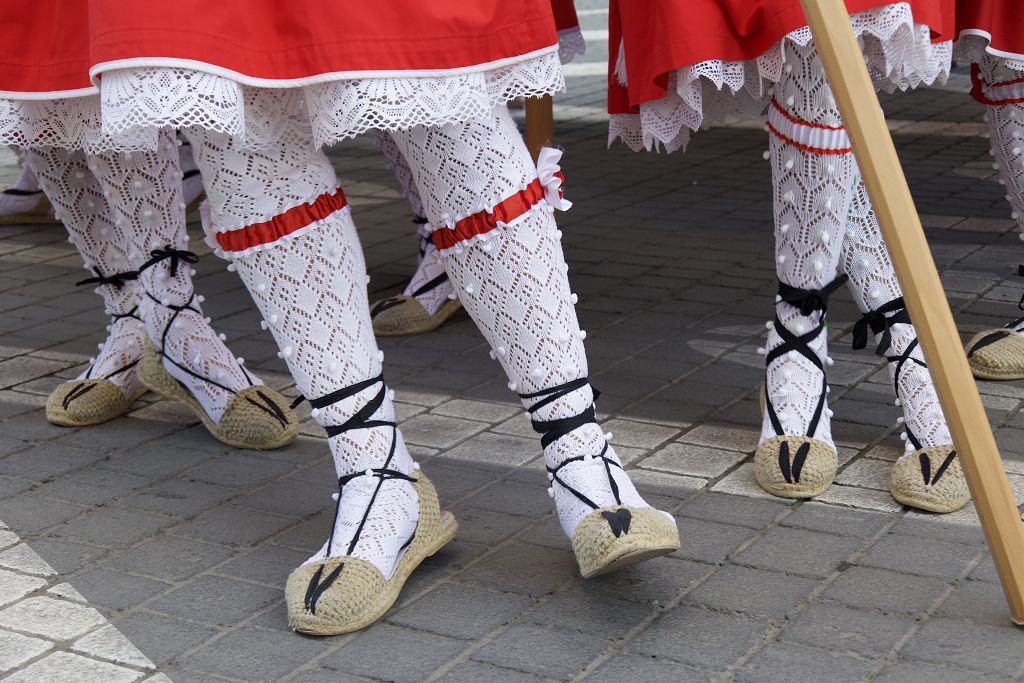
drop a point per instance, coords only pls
(65, 666)
(110, 644)
(638, 434)
(866, 473)
(158, 678)
(16, 586)
(743, 439)
(50, 618)
(693, 460)
(856, 497)
(23, 559)
(67, 592)
(742, 483)
(647, 478)
(477, 410)
(7, 538)
(16, 649)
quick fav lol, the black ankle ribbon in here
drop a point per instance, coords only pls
(809, 300)
(117, 280)
(176, 256)
(880, 321)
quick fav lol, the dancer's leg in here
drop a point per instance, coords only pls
(812, 179)
(189, 362)
(310, 286)
(428, 299)
(512, 280)
(24, 201)
(110, 384)
(928, 475)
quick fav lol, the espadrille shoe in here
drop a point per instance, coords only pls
(930, 479)
(404, 315)
(786, 464)
(84, 402)
(343, 594)
(598, 506)
(256, 417)
(997, 354)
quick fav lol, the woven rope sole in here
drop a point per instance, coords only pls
(359, 594)
(599, 550)
(244, 424)
(97, 401)
(1002, 359)
(805, 479)
(40, 213)
(907, 481)
(409, 317)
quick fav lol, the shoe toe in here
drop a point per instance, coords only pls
(615, 537)
(333, 596)
(258, 417)
(930, 479)
(996, 354)
(794, 466)
(84, 402)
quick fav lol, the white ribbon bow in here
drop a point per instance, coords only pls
(547, 167)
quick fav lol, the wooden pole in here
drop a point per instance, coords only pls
(922, 290)
(540, 123)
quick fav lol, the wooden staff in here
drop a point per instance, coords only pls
(922, 290)
(540, 123)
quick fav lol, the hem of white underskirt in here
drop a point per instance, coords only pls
(97, 70)
(740, 90)
(323, 112)
(972, 43)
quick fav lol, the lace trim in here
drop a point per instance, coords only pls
(899, 55)
(135, 103)
(570, 44)
(974, 45)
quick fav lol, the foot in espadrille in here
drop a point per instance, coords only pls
(997, 354)
(427, 301)
(796, 457)
(599, 508)
(186, 361)
(930, 479)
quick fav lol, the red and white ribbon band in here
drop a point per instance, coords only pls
(1004, 92)
(546, 187)
(810, 137)
(264, 235)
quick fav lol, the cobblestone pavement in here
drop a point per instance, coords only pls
(144, 549)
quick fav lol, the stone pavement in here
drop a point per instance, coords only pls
(144, 549)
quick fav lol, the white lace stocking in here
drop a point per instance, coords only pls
(144, 193)
(78, 198)
(515, 287)
(311, 290)
(811, 199)
(428, 285)
(873, 283)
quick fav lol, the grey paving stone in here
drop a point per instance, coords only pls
(113, 527)
(523, 569)
(153, 462)
(411, 654)
(918, 672)
(836, 520)
(215, 600)
(886, 591)
(940, 527)
(709, 541)
(230, 525)
(655, 582)
(514, 498)
(554, 654)
(700, 637)
(461, 611)
(484, 526)
(971, 646)
(170, 558)
(474, 672)
(439, 431)
(596, 616)
(647, 669)
(693, 460)
(978, 601)
(47, 461)
(753, 591)
(91, 486)
(233, 655)
(29, 513)
(179, 497)
(116, 590)
(797, 551)
(722, 507)
(162, 639)
(238, 471)
(267, 564)
(66, 556)
(494, 450)
(841, 629)
(780, 662)
(915, 555)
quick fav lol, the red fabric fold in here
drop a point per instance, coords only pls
(481, 222)
(295, 218)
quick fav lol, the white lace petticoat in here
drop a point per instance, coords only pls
(133, 104)
(899, 55)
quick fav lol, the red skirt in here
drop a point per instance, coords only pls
(998, 23)
(49, 46)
